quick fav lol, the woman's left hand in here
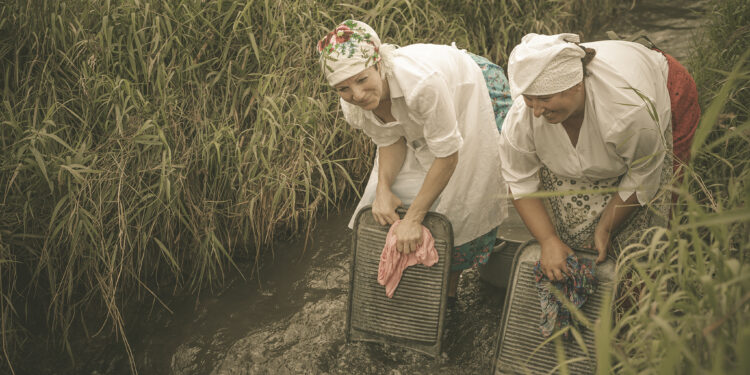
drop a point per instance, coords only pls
(612, 217)
(601, 242)
(409, 236)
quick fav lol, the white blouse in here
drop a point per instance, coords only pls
(441, 104)
(625, 131)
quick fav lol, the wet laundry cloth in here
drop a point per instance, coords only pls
(393, 263)
(577, 289)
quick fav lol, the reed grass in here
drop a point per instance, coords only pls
(683, 307)
(149, 146)
(688, 286)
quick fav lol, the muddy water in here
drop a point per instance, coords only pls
(669, 24)
(295, 323)
(291, 319)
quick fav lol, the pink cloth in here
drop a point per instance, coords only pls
(393, 263)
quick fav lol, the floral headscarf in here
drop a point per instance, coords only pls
(349, 49)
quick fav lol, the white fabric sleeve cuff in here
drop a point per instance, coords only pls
(640, 143)
(447, 145)
(520, 169)
(522, 188)
(625, 195)
(629, 186)
(434, 107)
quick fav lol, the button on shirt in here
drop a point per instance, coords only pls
(441, 105)
(624, 132)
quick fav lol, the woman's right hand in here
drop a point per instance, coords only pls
(384, 207)
(554, 259)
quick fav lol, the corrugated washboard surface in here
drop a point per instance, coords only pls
(414, 317)
(519, 337)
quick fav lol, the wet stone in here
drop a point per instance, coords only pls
(288, 346)
(185, 359)
(321, 278)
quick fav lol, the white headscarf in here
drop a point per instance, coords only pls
(350, 48)
(545, 64)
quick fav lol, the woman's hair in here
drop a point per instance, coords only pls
(590, 53)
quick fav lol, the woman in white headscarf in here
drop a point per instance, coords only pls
(434, 112)
(587, 117)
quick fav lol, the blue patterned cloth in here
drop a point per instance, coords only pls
(577, 289)
(474, 252)
(497, 85)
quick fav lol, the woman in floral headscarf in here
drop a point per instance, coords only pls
(606, 116)
(434, 112)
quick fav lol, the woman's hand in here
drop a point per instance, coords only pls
(384, 207)
(554, 259)
(613, 215)
(409, 232)
(408, 235)
(601, 241)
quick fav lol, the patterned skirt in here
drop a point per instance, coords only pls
(576, 213)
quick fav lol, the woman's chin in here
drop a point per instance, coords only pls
(369, 106)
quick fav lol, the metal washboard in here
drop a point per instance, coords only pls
(519, 336)
(414, 317)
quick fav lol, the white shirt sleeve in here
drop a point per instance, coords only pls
(520, 164)
(433, 107)
(639, 140)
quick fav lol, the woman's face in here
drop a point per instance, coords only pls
(558, 107)
(365, 89)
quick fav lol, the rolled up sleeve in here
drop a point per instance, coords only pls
(519, 161)
(434, 107)
(641, 144)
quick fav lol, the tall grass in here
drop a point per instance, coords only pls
(687, 298)
(689, 288)
(147, 146)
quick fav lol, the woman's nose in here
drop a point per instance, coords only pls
(537, 106)
(357, 94)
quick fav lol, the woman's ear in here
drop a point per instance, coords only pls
(578, 87)
(379, 69)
